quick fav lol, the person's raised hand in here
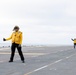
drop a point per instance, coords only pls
(4, 39)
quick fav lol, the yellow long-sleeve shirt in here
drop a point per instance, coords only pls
(74, 40)
(16, 37)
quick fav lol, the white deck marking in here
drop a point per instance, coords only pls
(4, 49)
(41, 68)
(70, 56)
(1, 61)
(58, 60)
(25, 53)
(49, 65)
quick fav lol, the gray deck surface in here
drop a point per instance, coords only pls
(40, 61)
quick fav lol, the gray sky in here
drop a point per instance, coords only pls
(41, 21)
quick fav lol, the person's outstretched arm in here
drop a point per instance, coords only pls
(72, 39)
(7, 38)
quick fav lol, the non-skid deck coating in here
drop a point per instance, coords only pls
(59, 60)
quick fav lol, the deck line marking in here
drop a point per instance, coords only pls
(4, 49)
(48, 65)
(70, 56)
(41, 68)
(1, 61)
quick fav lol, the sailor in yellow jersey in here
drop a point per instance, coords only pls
(74, 42)
(16, 38)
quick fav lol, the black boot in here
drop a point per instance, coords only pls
(23, 61)
(10, 60)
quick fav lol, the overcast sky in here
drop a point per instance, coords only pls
(41, 21)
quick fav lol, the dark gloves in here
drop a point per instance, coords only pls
(4, 39)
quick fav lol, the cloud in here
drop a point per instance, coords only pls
(41, 21)
(29, 8)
